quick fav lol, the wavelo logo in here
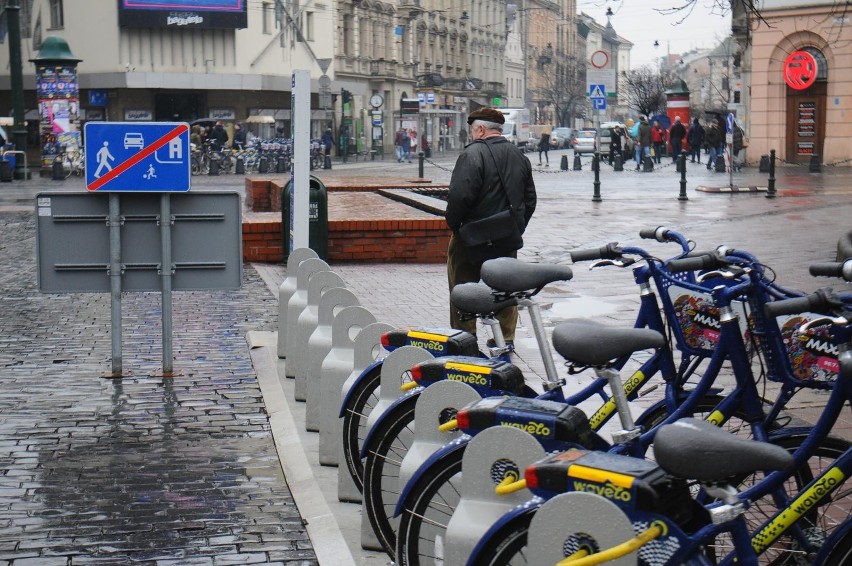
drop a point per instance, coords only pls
(469, 378)
(432, 345)
(532, 427)
(608, 490)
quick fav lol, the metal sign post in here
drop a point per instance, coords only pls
(166, 278)
(115, 280)
(729, 143)
(300, 103)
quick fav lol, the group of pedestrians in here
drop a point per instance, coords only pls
(652, 139)
(405, 143)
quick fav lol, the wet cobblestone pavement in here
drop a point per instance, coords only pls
(145, 469)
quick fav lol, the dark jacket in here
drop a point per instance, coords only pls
(737, 139)
(713, 135)
(544, 142)
(695, 136)
(677, 131)
(475, 188)
(219, 137)
(644, 136)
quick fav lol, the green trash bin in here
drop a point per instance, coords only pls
(317, 218)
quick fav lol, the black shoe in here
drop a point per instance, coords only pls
(510, 344)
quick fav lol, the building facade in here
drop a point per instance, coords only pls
(797, 104)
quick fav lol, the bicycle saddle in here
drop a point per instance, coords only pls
(477, 298)
(511, 275)
(591, 343)
(695, 449)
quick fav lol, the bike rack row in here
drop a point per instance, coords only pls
(328, 340)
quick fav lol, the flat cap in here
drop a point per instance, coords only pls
(486, 114)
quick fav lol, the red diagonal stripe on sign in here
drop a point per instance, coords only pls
(133, 160)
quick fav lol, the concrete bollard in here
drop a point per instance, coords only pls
(319, 346)
(720, 166)
(647, 164)
(326, 164)
(297, 304)
(563, 165)
(764, 164)
(618, 163)
(214, 168)
(578, 165)
(286, 290)
(240, 166)
(297, 353)
(263, 164)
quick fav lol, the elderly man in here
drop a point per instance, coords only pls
(477, 191)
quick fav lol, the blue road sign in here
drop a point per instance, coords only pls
(729, 123)
(137, 156)
(599, 103)
(597, 91)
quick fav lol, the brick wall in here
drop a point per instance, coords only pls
(362, 227)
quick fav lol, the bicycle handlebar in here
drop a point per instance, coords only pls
(697, 263)
(833, 269)
(821, 301)
(609, 251)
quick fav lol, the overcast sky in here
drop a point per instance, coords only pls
(639, 22)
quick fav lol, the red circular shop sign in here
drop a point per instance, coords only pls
(800, 70)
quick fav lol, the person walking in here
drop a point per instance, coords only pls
(478, 189)
(658, 137)
(695, 139)
(676, 134)
(218, 137)
(401, 142)
(643, 141)
(412, 148)
(714, 140)
(544, 146)
(615, 143)
(463, 137)
(239, 137)
(327, 142)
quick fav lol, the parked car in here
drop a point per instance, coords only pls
(585, 141)
(561, 137)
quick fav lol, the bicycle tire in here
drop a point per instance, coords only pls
(361, 401)
(390, 443)
(818, 523)
(409, 533)
(433, 499)
(840, 555)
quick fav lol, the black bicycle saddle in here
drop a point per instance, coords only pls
(696, 449)
(512, 275)
(478, 298)
(590, 343)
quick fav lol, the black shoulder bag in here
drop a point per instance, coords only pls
(494, 236)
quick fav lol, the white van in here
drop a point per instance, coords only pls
(516, 129)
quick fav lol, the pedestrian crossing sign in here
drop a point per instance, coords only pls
(597, 91)
(137, 156)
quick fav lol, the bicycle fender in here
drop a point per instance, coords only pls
(459, 443)
(408, 397)
(528, 507)
(363, 375)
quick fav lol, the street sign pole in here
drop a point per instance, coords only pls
(300, 180)
(115, 279)
(166, 278)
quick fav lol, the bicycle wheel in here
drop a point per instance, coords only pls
(423, 521)
(361, 401)
(841, 555)
(508, 546)
(381, 471)
(816, 525)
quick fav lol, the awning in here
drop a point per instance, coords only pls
(260, 120)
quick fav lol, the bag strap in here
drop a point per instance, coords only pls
(500, 174)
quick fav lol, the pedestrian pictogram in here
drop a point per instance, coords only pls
(597, 91)
(137, 156)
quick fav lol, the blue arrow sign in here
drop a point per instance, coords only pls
(137, 156)
(729, 123)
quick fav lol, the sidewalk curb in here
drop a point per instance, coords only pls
(320, 522)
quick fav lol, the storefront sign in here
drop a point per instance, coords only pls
(223, 113)
(800, 70)
(138, 115)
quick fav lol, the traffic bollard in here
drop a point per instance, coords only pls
(764, 164)
(618, 163)
(421, 157)
(563, 165)
(578, 165)
(681, 164)
(770, 189)
(326, 164)
(814, 166)
(647, 164)
(6, 171)
(263, 164)
(240, 167)
(596, 167)
(214, 168)
(281, 165)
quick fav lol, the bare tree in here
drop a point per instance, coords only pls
(645, 89)
(562, 85)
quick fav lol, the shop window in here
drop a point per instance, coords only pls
(267, 17)
(309, 26)
(57, 15)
